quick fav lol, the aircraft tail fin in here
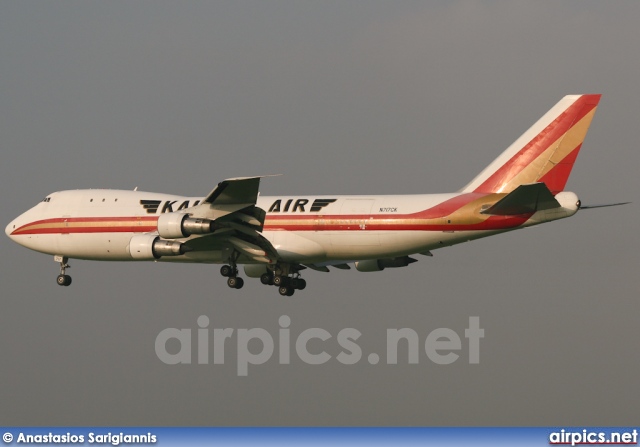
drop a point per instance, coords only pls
(543, 154)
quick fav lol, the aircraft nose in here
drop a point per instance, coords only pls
(9, 229)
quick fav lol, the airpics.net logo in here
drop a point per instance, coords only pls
(441, 346)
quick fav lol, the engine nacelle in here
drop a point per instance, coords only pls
(255, 270)
(377, 265)
(370, 265)
(177, 225)
(148, 246)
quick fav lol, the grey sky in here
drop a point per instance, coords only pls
(341, 97)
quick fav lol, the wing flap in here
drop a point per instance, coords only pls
(319, 268)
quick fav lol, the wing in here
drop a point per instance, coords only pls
(235, 190)
(237, 221)
(230, 195)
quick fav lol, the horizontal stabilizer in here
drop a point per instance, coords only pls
(525, 199)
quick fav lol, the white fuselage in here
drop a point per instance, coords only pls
(99, 224)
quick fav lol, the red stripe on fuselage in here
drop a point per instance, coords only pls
(106, 229)
(395, 222)
(53, 226)
(440, 210)
(448, 207)
(386, 223)
(302, 222)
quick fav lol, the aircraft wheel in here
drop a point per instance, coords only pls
(278, 280)
(266, 279)
(290, 292)
(233, 282)
(298, 283)
(226, 270)
(63, 280)
(284, 291)
(239, 283)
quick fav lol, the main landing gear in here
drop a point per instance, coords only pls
(63, 279)
(285, 279)
(231, 272)
(288, 285)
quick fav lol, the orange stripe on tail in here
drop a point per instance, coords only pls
(544, 153)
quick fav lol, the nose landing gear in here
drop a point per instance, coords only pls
(63, 279)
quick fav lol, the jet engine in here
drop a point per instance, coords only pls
(177, 225)
(148, 246)
(377, 265)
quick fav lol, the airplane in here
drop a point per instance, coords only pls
(275, 238)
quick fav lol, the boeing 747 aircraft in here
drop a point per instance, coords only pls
(275, 238)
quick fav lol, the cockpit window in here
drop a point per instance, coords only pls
(47, 199)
